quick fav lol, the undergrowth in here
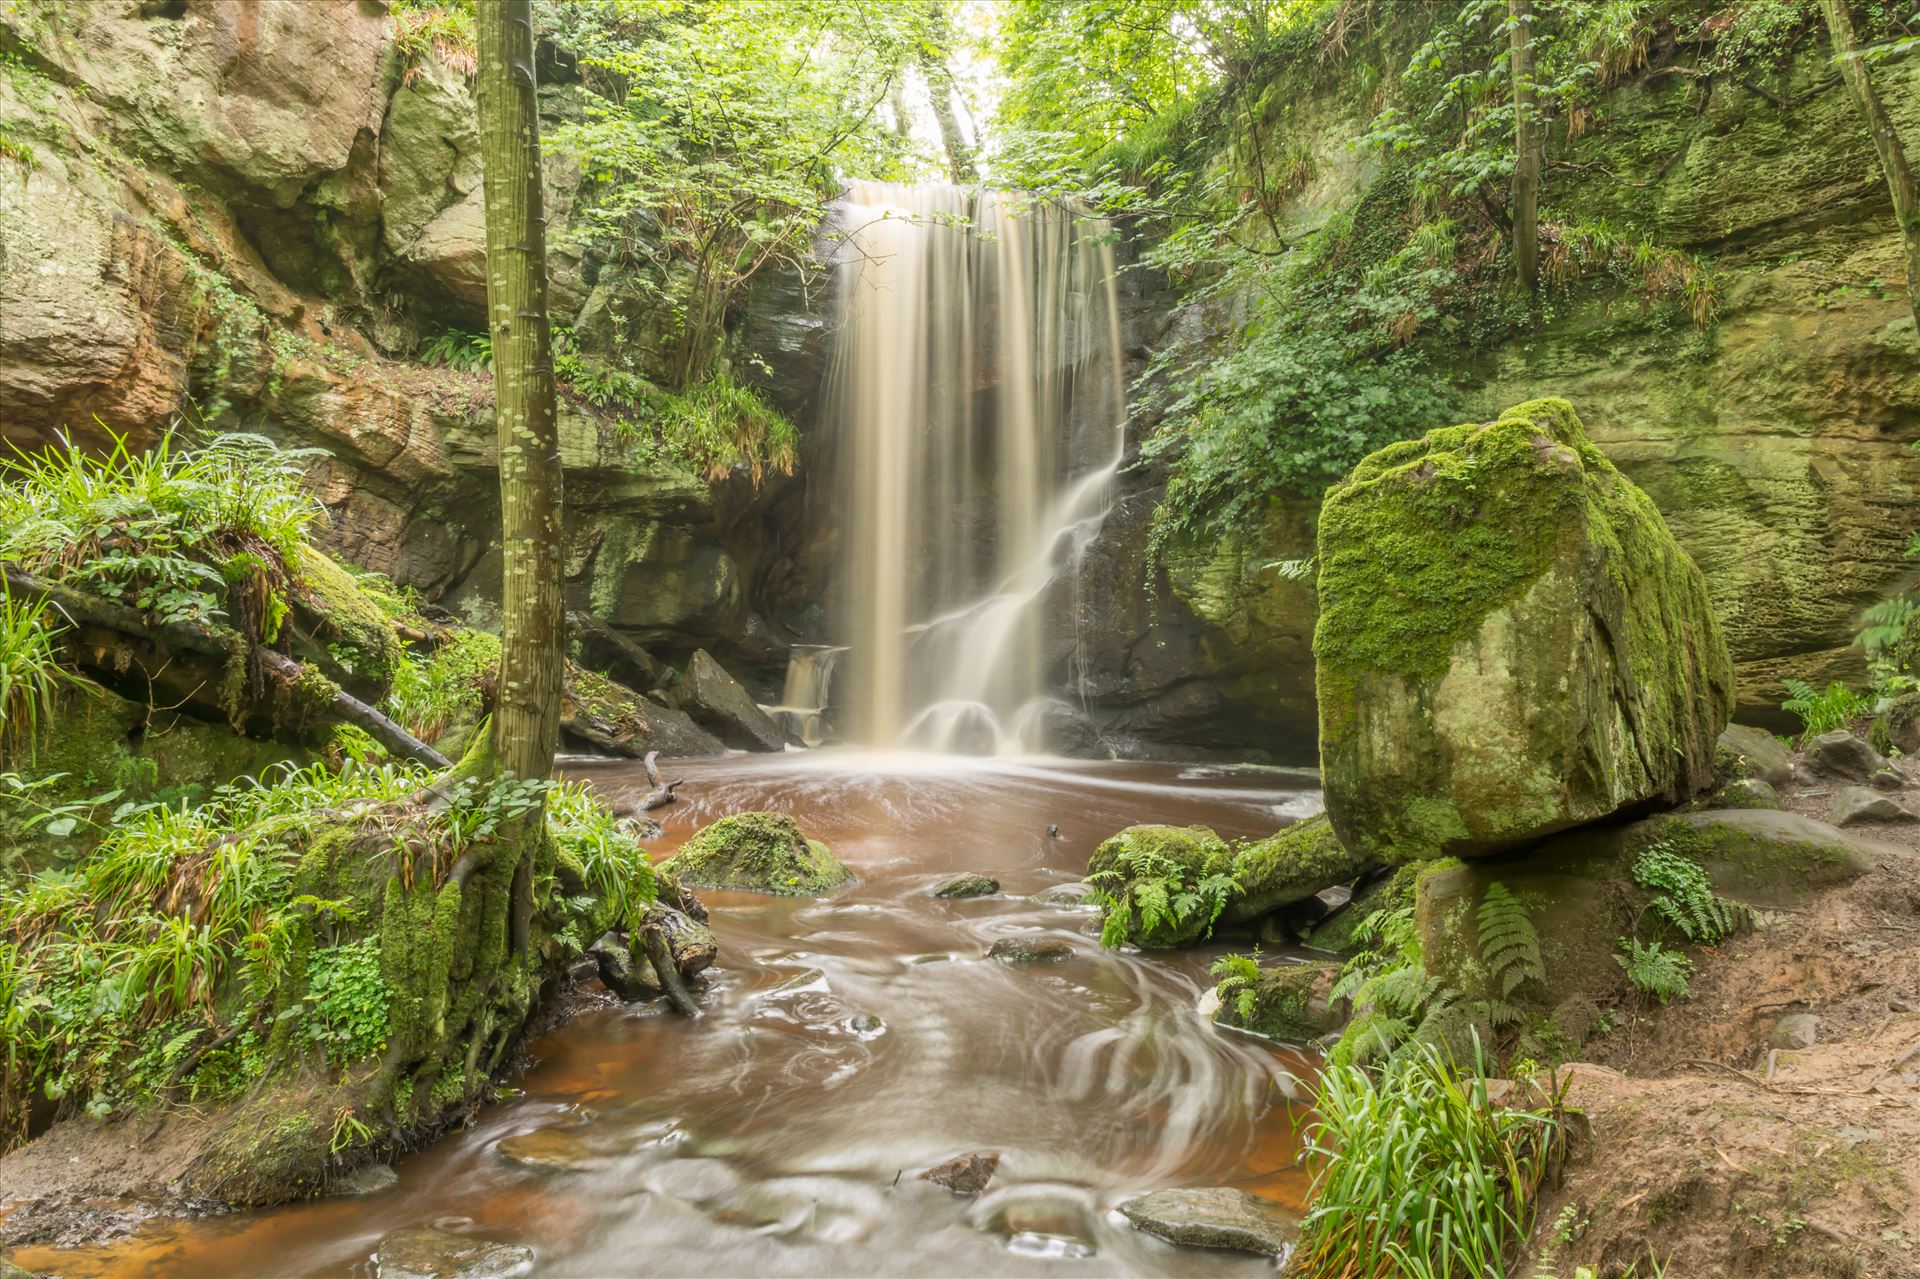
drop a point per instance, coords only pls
(1147, 894)
(1420, 1174)
(31, 676)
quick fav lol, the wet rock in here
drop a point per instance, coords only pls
(1841, 754)
(1858, 804)
(964, 1174)
(1074, 894)
(1196, 850)
(717, 700)
(620, 972)
(1744, 751)
(1215, 1217)
(1747, 792)
(689, 940)
(1045, 1211)
(1292, 866)
(1794, 1032)
(1290, 1002)
(424, 1253)
(599, 647)
(759, 853)
(371, 1180)
(1031, 950)
(967, 884)
(547, 1149)
(1524, 561)
(613, 719)
(1887, 779)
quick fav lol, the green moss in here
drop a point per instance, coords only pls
(355, 635)
(759, 853)
(1759, 857)
(1289, 1003)
(1290, 866)
(1196, 849)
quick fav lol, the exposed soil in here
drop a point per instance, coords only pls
(1721, 1150)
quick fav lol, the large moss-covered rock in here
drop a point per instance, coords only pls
(1510, 643)
(1290, 1002)
(759, 853)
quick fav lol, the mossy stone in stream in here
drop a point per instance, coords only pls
(1290, 867)
(759, 853)
(1288, 1002)
(1510, 643)
(1191, 852)
(967, 884)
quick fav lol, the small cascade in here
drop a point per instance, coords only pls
(802, 712)
(977, 402)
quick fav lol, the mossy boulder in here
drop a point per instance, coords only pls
(1290, 1002)
(1290, 867)
(1897, 728)
(1186, 853)
(340, 628)
(759, 853)
(1510, 643)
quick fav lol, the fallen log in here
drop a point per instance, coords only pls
(660, 954)
(82, 609)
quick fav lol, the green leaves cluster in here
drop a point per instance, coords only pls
(1685, 895)
(1145, 893)
(1654, 970)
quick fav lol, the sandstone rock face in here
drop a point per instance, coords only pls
(1510, 643)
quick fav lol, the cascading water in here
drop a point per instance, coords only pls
(978, 404)
(802, 711)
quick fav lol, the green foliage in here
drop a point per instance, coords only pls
(442, 31)
(1144, 892)
(451, 687)
(31, 677)
(710, 428)
(1686, 897)
(1419, 1174)
(170, 530)
(348, 1001)
(461, 351)
(1654, 970)
(1509, 946)
(714, 136)
(605, 848)
(1237, 977)
(1823, 711)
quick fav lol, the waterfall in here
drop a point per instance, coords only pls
(802, 711)
(977, 406)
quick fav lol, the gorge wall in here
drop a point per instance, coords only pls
(269, 209)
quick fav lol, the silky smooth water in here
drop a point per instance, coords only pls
(849, 1043)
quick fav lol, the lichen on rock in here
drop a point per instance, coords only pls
(1510, 643)
(759, 853)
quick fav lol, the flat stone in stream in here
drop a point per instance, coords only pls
(1031, 950)
(1215, 1217)
(548, 1149)
(424, 1253)
(967, 884)
(371, 1180)
(1075, 893)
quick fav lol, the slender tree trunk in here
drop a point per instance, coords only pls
(1526, 148)
(526, 721)
(941, 93)
(1893, 156)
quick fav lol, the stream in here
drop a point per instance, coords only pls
(847, 1045)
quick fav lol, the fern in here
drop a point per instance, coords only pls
(1822, 712)
(1144, 891)
(1883, 625)
(1509, 946)
(1654, 970)
(1238, 975)
(1687, 900)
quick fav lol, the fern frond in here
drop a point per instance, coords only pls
(1509, 944)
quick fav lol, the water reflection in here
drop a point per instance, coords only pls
(849, 1044)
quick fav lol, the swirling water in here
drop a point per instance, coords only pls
(847, 1044)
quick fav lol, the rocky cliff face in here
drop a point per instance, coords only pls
(248, 213)
(1777, 441)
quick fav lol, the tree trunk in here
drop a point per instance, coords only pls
(1526, 148)
(526, 720)
(1893, 156)
(940, 92)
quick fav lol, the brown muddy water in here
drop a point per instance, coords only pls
(848, 1044)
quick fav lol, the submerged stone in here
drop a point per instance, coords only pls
(1030, 950)
(1215, 1217)
(548, 1149)
(967, 884)
(425, 1253)
(1510, 643)
(759, 853)
(372, 1179)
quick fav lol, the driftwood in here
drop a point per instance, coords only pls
(660, 955)
(662, 793)
(83, 609)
